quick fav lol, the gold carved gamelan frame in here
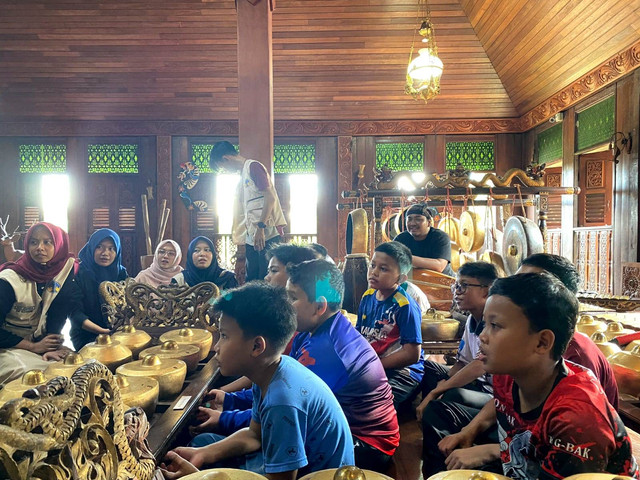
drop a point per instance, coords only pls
(72, 428)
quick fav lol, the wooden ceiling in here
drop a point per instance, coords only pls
(332, 59)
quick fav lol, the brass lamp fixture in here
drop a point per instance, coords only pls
(425, 70)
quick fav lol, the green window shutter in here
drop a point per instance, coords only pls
(400, 156)
(550, 144)
(43, 158)
(292, 158)
(474, 156)
(596, 125)
(113, 158)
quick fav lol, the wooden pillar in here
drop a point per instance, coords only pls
(569, 177)
(164, 180)
(625, 192)
(255, 81)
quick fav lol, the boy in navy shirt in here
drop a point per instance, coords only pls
(296, 422)
(390, 320)
(329, 346)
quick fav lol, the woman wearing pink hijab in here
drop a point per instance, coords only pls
(166, 264)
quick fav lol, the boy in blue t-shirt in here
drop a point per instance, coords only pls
(296, 422)
(390, 320)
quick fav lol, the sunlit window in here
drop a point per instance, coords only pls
(303, 204)
(55, 200)
(225, 188)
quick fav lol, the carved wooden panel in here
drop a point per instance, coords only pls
(631, 279)
(595, 201)
(593, 259)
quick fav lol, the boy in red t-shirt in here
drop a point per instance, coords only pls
(553, 417)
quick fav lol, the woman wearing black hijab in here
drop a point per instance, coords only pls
(202, 266)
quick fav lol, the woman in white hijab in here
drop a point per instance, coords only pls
(165, 265)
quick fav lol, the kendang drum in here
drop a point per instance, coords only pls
(355, 280)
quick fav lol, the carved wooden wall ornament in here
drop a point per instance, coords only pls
(74, 428)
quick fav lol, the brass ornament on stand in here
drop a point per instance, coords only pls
(75, 428)
(604, 345)
(588, 325)
(438, 328)
(224, 474)
(134, 340)
(169, 372)
(345, 473)
(142, 392)
(15, 388)
(107, 351)
(203, 339)
(189, 354)
(68, 366)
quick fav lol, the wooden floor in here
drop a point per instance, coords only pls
(407, 461)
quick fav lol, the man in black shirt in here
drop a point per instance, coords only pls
(430, 247)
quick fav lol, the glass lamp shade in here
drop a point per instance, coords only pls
(425, 69)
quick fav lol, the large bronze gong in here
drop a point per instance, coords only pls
(521, 238)
(451, 226)
(357, 231)
(471, 233)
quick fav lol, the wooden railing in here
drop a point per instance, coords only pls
(554, 241)
(593, 258)
(226, 249)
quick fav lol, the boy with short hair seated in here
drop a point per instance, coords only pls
(390, 320)
(581, 349)
(553, 417)
(297, 422)
(453, 396)
(330, 347)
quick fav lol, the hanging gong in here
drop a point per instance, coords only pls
(395, 225)
(496, 259)
(471, 233)
(451, 226)
(455, 257)
(357, 231)
(521, 238)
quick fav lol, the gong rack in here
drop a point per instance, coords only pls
(377, 199)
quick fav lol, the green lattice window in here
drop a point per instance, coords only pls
(294, 158)
(113, 158)
(596, 124)
(550, 144)
(43, 158)
(474, 156)
(400, 156)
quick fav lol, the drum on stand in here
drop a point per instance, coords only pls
(355, 280)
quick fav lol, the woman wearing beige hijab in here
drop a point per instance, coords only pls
(165, 265)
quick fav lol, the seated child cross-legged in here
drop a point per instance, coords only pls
(453, 396)
(297, 425)
(553, 417)
(390, 320)
(330, 347)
